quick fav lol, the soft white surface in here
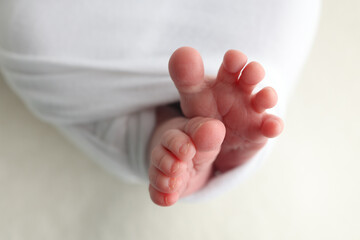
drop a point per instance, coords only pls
(97, 70)
(307, 190)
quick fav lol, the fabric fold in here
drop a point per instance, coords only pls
(97, 70)
(62, 92)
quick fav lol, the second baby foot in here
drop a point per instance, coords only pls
(228, 97)
(182, 155)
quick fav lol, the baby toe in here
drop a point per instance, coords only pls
(206, 133)
(162, 199)
(187, 70)
(163, 183)
(166, 162)
(272, 126)
(179, 144)
(233, 63)
(264, 99)
(252, 74)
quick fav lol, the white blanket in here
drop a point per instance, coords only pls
(97, 69)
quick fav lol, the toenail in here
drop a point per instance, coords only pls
(166, 200)
(174, 182)
(184, 148)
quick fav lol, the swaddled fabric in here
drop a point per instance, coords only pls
(98, 69)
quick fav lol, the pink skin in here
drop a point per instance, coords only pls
(235, 123)
(182, 157)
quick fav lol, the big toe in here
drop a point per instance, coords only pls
(206, 133)
(187, 70)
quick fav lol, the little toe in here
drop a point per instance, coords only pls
(163, 183)
(166, 162)
(233, 62)
(252, 74)
(264, 99)
(271, 126)
(179, 144)
(163, 199)
(186, 69)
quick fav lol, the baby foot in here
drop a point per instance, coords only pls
(182, 157)
(229, 98)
